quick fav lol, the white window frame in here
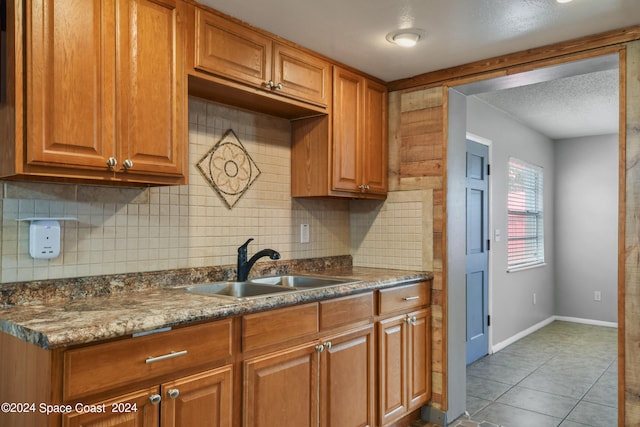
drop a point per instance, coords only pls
(525, 215)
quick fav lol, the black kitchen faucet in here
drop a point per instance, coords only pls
(244, 266)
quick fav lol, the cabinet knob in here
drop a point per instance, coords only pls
(328, 345)
(128, 164)
(269, 84)
(173, 393)
(155, 398)
(320, 348)
(112, 162)
(278, 86)
(364, 187)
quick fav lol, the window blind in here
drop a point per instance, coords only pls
(525, 215)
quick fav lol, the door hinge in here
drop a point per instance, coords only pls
(488, 320)
(488, 244)
(488, 169)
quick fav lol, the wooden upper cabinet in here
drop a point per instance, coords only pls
(70, 78)
(301, 75)
(345, 154)
(348, 104)
(227, 49)
(375, 147)
(230, 50)
(151, 86)
(360, 160)
(104, 80)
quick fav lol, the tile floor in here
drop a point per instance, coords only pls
(563, 375)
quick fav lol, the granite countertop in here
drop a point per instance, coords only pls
(65, 321)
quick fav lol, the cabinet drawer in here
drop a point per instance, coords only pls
(272, 327)
(404, 297)
(347, 310)
(101, 367)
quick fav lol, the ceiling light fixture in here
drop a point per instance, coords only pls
(564, 1)
(406, 37)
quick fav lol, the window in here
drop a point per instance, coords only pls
(524, 204)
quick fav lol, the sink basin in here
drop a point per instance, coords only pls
(236, 289)
(299, 281)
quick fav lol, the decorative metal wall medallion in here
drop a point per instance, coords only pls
(229, 168)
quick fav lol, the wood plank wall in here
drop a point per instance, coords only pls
(629, 253)
(417, 161)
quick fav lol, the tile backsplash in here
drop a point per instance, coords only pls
(121, 230)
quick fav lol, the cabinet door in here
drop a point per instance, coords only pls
(151, 86)
(419, 363)
(281, 389)
(129, 410)
(301, 75)
(392, 354)
(374, 147)
(347, 114)
(347, 393)
(70, 117)
(230, 50)
(203, 400)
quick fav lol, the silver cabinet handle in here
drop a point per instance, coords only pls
(278, 86)
(112, 162)
(320, 348)
(328, 345)
(173, 354)
(155, 398)
(410, 298)
(173, 393)
(269, 84)
(128, 164)
(411, 320)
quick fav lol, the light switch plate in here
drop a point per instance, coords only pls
(304, 233)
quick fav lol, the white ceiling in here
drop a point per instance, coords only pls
(457, 32)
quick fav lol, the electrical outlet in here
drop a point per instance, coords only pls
(597, 296)
(534, 298)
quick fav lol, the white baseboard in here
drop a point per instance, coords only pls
(499, 346)
(587, 321)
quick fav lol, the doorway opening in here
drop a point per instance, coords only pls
(524, 301)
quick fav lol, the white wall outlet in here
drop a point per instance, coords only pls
(44, 239)
(497, 235)
(304, 233)
(597, 296)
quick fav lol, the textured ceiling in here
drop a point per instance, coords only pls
(459, 32)
(568, 107)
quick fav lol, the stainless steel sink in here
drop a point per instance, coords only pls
(302, 281)
(236, 289)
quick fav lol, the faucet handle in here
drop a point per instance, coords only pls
(244, 246)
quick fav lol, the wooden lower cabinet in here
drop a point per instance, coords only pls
(347, 372)
(139, 412)
(328, 383)
(404, 364)
(202, 400)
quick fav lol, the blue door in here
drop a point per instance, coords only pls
(477, 259)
